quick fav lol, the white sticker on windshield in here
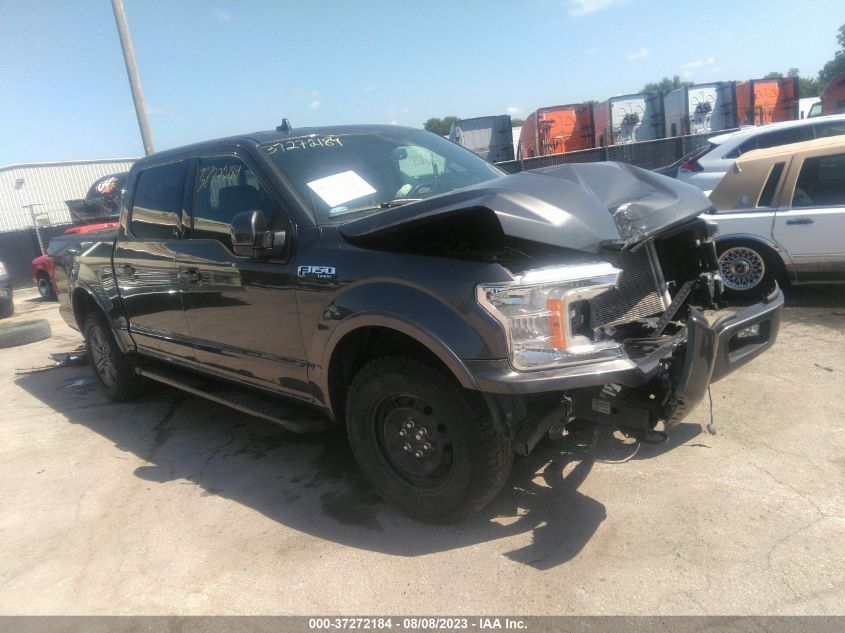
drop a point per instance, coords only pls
(340, 188)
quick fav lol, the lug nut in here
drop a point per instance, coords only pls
(426, 446)
(423, 431)
(407, 447)
(418, 454)
(409, 424)
(402, 432)
(418, 437)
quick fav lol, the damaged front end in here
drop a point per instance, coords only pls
(630, 354)
(612, 310)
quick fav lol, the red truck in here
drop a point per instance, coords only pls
(833, 96)
(97, 211)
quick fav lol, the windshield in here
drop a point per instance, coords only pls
(342, 176)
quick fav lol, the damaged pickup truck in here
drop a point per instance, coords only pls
(447, 314)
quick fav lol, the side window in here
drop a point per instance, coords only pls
(821, 182)
(781, 137)
(226, 186)
(834, 128)
(157, 202)
(771, 186)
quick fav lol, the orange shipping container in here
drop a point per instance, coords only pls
(557, 129)
(762, 101)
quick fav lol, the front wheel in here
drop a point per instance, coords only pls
(113, 368)
(424, 443)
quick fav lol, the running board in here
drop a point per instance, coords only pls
(247, 401)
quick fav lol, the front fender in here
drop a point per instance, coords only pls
(451, 331)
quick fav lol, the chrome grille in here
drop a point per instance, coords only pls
(635, 297)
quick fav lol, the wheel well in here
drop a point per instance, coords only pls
(771, 255)
(359, 347)
(44, 274)
(82, 305)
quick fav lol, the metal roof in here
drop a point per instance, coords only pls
(49, 185)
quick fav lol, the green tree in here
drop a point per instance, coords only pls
(666, 85)
(515, 122)
(837, 64)
(773, 75)
(440, 126)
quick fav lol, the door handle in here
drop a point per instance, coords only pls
(126, 270)
(189, 275)
(800, 221)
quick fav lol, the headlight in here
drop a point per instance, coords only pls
(545, 313)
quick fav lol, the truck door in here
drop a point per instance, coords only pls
(241, 310)
(812, 227)
(145, 265)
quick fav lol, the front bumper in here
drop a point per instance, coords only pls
(711, 348)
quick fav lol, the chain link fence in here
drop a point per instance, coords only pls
(646, 154)
(19, 248)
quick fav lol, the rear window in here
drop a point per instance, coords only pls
(771, 186)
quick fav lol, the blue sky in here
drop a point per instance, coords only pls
(213, 68)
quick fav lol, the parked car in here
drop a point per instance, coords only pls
(781, 215)
(7, 303)
(98, 211)
(449, 315)
(705, 167)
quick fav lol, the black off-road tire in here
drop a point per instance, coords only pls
(472, 460)
(45, 288)
(24, 332)
(114, 370)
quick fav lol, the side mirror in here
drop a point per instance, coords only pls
(251, 237)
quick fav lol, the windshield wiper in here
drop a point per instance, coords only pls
(397, 202)
(389, 204)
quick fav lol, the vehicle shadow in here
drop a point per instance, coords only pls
(821, 296)
(312, 484)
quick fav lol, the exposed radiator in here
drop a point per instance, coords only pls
(637, 295)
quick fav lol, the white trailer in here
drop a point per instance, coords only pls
(700, 108)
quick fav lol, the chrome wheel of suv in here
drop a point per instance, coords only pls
(741, 268)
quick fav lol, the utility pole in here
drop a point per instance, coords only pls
(132, 71)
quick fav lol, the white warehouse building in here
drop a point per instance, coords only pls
(42, 188)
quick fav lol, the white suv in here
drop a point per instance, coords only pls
(705, 166)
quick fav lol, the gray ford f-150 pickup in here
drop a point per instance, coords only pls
(447, 314)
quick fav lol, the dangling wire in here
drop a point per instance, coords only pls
(711, 428)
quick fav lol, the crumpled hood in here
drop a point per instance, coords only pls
(583, 206)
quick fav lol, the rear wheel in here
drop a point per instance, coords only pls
(113, 368)
(45, 289)
(424, 443)
(748, 270)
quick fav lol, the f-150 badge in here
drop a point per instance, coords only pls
(320, 272)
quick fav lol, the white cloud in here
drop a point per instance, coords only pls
(315, 105)
(394, 122)
(583, 7)
(695, 64)
(710, 61)
(715, 69)
(640, 54)
(592, 51)
(300, 93)
(368, 89)
(514, 110)
(222, 15)
(687, 74)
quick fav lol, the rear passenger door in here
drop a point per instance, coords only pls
(812, 228)
(145, 264)
(241, 310)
